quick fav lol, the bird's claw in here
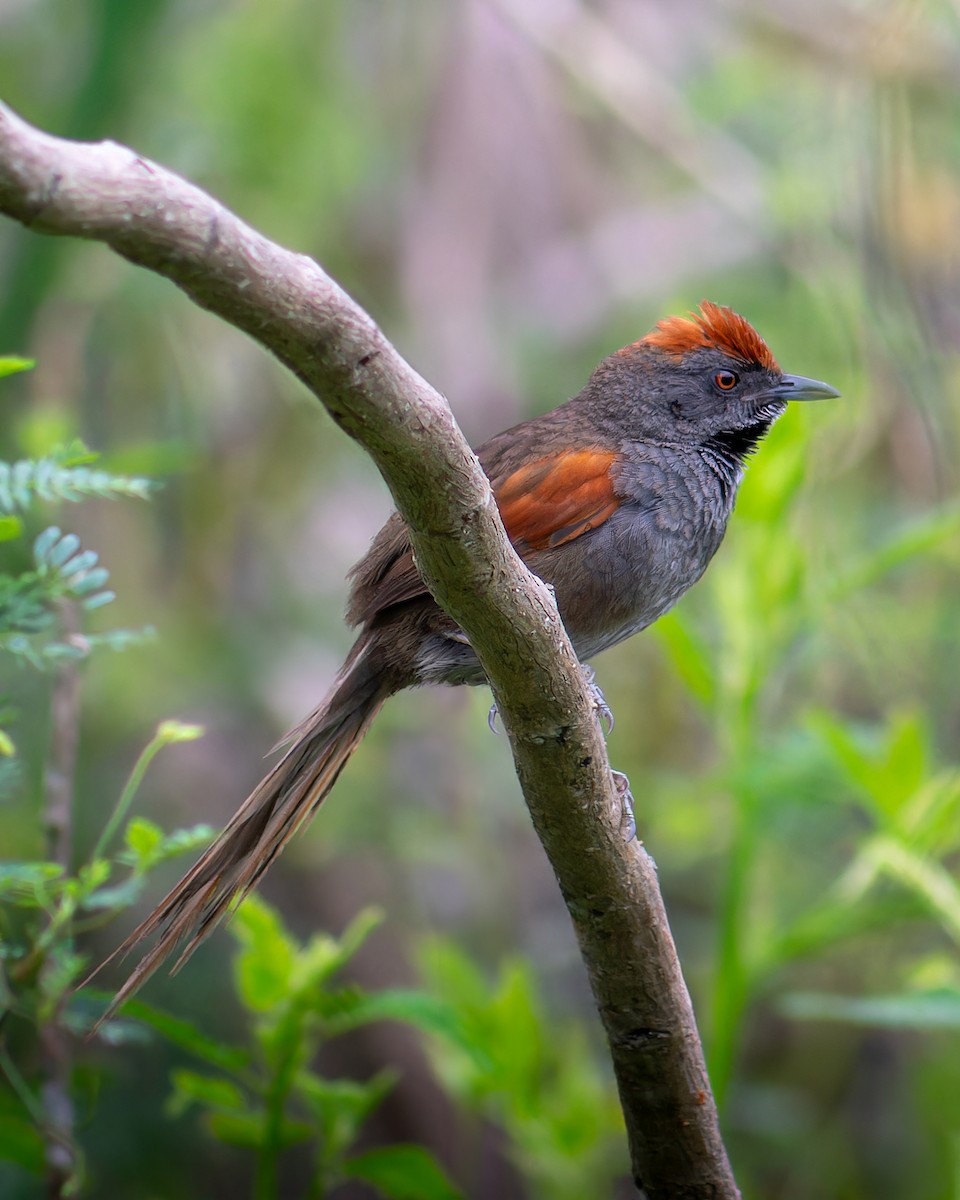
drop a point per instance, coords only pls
(628, 822)
(603, 709)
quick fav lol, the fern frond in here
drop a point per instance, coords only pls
(63, 569)
(59, 476)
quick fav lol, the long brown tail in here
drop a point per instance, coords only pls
(283, 801)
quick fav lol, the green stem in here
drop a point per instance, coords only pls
(266, 1187)
(167, 733)
(731, 984)
(21, 1089)
(732, 974)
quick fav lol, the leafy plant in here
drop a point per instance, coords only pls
(44, 905)
(492, 1046)
(43, 909)
(269, 1097)
(839, 828)
(33, 601)
(539, 1082)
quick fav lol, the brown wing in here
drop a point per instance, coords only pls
(544, 504)
(554, 500)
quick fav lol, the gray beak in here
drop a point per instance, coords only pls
(798, 387)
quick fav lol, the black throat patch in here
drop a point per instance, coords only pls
(728, 450)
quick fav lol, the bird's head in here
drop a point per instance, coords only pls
(707, 378)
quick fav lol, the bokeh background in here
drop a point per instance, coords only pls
(514, 188)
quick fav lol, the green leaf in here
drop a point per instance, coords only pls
(323, 956)
(238, 1129)
(403, 1173)
(121, 639)
(61, 550)
(776, 481)
(72, 453)
(62, 969)
(912, 540)
(20, 1142)
(934, 1009)
(451, 973)
(99, 600)
(82, 563)
(60, 476)
(208, 1091)
(23, 610)
(63, 569)
(885, 774)
(689, 656)
(836, 919)
(519, 1031)
(930, 820)
(184, 1034)
(148, 850)
(10, 528)
(247, 1129)
(340, 1106)
(926, 878)
(142, 838)
(265, 964)
(10, 364)
(114, 1032)
(29, 881)
(115, 898)
(357, 932)
(89, 582)
(426, 1012)
(182, 841)
(45, 541)
(92, 875)
(907, 753)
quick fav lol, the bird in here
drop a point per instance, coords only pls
(618, 499)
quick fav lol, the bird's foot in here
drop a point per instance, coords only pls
(603, 709)
(628, 822)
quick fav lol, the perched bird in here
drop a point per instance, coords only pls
(618, 499)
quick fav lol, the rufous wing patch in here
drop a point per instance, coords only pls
(554, 500)
(714, 327)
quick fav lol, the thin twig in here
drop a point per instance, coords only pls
(644, 100)
(55, 1042)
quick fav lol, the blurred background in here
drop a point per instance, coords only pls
(513, 189)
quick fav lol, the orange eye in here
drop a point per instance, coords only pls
(726, 381)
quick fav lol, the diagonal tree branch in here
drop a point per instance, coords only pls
(287, 303)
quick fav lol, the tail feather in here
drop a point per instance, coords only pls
(270, 816)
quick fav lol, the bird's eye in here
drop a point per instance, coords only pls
(726, 381)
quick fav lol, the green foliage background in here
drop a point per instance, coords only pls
(514, 190)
